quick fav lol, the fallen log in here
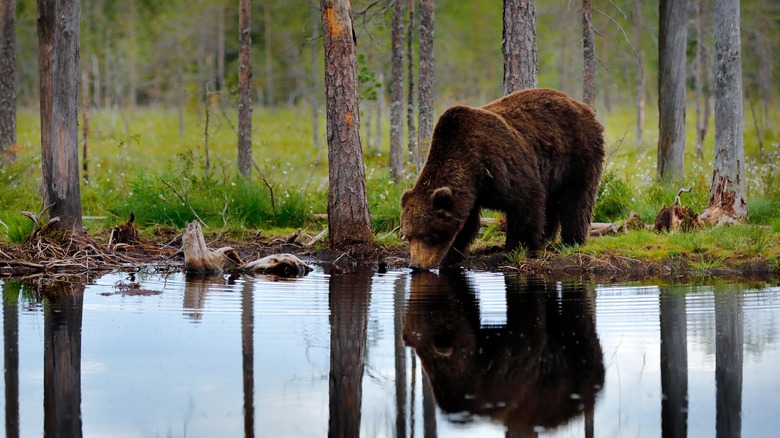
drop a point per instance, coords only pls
(198, 258)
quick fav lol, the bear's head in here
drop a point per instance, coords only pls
(430, 222)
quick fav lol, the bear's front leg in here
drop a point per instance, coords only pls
(525, 226)
(464, 238)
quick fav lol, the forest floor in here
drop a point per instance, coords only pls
(162, 251)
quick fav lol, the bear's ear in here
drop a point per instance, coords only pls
(405, 197)
(442, 198)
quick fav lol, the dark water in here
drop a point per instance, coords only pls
(474, 354)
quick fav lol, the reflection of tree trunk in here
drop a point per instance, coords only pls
(429, 407)
(349, 298)
(11, 358)
(674, 365)
(400, 359)
(728, 364)
(62, 360)
(195, 289)
(247, 351)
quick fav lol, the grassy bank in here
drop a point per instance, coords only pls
(140, 161)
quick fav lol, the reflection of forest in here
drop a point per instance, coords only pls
(544, 367)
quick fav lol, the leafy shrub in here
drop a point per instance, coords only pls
(614, 199)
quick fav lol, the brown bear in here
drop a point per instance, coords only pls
(534, 154)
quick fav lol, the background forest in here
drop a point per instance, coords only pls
(159, 91)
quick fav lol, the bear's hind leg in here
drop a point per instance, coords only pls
(575, 218)
(525, 227)
(463, 239)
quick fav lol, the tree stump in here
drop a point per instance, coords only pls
(125, 233)
(199, 258)
(284, 265)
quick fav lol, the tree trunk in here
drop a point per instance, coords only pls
(59, 89)
(245, 88)
(269, 67)
(671, 89)
(397, 92)
(62, 319)
(729, 344)
(411, 130)
(380, 102)
(519, 45)
(221, 52)
(349, 220)
(85, 123)
(727, 191)
(349, 297)
(702, 85)
(132, 55)
(589, 56)
(315, 78)
(674, 364)
(248, 356)
(400, 357)
(640, 74)
(425, 99)
(7, 80)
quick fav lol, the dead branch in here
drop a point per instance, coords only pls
(184, 200)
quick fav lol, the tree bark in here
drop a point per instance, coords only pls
(702, 84)
(269, 67)
(349, 219)
(411, 130)
(727, 191)
(7, 80)
(640, 74)
(397, 91)
(671, 89)
(589, 56)
(349, 297)
(519, 45)
(59, 89)
(315, 78)
(245, 88)
(425, 100)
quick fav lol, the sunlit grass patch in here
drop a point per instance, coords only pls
(15, 227)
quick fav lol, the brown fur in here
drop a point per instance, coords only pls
(534, 154)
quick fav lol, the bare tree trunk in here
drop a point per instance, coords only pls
(640, 74)
(425, 100)
(62, 320)
(85, 123)
(245, 89)
(7, 80)
(380, 102)
(727, 191)
(589, 56)
(315, 77)
(397, 91)
(269, 67)
(349, 297)
(702, 85)
(96, 91)
(519, 45)
(411, 130)
(45, 28)
(132, 55)
(59, 88)
(671, 89)
(349, 219)
(221, 52)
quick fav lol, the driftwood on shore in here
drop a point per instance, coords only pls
(198, 258)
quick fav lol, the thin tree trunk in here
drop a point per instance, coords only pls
(349, 219)
(640, 73)
(7, 80)
(85, 123)
(221, 52)
(519, 45)
(425, 102)
(380, 102)
(589, 56)
(63, 190)
(315, 78)
(727, 191)
(269, 68)
(96, 91)
(397, 91)
(245, 89)
(671, 89)
(45, 28)
(132, 55)
(349, 297)
(702, 97)
(411, 130)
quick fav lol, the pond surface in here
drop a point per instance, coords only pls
(394, 354)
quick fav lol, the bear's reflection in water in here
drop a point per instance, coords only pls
(541, 369)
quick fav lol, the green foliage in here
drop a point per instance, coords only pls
(614, 199)
(368, 85)
(16, 228)
(763, 210)
(517, 255)
(384, 201)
